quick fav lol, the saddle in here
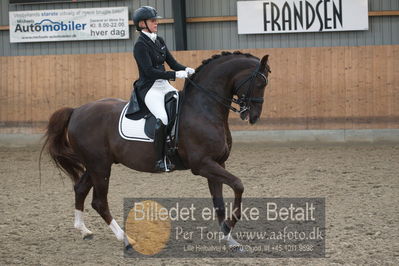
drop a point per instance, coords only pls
(137, 123)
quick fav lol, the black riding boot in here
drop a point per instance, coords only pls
(159, 141)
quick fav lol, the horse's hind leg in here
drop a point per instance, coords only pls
(82, 188)
(100, 181)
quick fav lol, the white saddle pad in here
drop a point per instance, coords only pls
(132, 129)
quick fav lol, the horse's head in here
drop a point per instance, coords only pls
(250, 91)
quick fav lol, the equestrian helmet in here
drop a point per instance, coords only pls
(144, 13)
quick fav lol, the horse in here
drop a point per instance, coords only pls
(84, 142)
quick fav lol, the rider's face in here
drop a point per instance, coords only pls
(152, 25)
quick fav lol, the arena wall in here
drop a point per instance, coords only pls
(336, 80)
(310, 88)
(211, 25)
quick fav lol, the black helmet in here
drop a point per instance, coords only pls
(144, 13)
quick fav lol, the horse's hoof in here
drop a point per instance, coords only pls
(232, 244)
(88, 237)
(129, 248)
(130, 241)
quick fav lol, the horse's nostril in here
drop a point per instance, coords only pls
(254, 119)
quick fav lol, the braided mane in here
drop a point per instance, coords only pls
(213, 58)
(216, 56)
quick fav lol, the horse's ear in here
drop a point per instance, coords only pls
(263, 63)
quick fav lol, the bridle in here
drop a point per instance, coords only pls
(245, 99)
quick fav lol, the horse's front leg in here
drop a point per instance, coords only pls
(217, 174)
(216, 189)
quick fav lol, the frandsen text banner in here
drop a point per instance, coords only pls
(69, 25)
(284, 16)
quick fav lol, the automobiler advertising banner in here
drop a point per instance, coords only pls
(287, 16)
(69, 25)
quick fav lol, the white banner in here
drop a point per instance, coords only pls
(69, 24)
(285, 16)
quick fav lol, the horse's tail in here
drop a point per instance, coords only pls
(58, 146)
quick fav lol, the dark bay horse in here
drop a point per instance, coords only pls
(84, 142)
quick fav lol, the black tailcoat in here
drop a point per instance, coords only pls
(150, 58)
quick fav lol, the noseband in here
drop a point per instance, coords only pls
(245, 99)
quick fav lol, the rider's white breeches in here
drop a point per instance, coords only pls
(155, 99)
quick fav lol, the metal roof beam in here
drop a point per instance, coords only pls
(179, 14)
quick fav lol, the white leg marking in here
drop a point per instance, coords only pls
(80, 225)
(232, 243)
(120, 235)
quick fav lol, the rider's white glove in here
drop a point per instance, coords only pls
(190, 71)
(181, 74)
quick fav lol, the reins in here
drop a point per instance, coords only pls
(216, 96)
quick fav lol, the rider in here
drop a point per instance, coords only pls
(150, 52)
